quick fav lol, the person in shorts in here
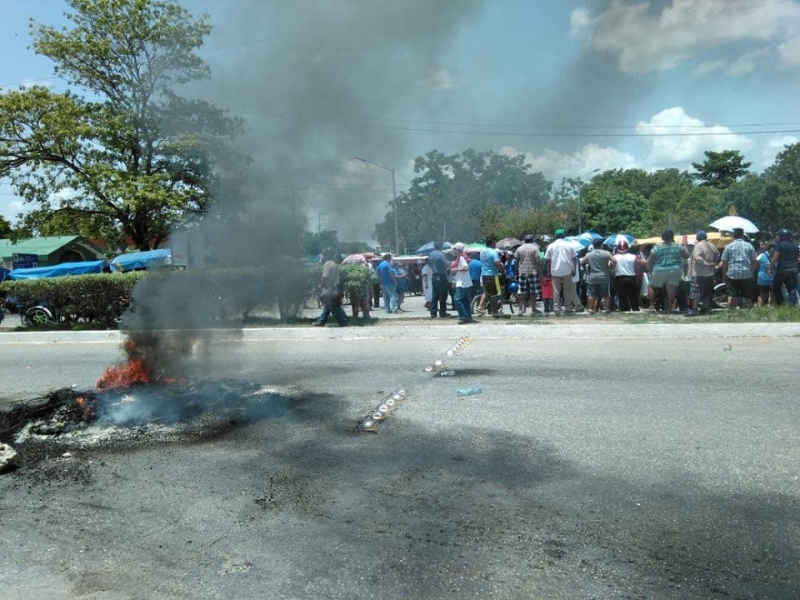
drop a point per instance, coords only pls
(665, 265)
(738, 264)
(601, 264)
(705, 258)
(528, 267)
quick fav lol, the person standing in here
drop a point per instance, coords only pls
(738, 264)
(460, 270)
(388, 284)
(665, 264)
(330, 293)
(475, 275)
(441, 284)
(625, 279)
(764, 276)
(560, 264)
(601, 264)
(528, 268)
(491, 267)
(784, 268)
(375, 279)
(426, 273)
(705, 258)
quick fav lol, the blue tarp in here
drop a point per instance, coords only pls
(4, 273)
(142, 260)
(70, 268)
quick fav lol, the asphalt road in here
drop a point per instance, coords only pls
(600, 461)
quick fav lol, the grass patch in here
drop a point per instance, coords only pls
(763, 314)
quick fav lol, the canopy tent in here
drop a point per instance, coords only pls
(70, 268)
(142, 260)
(720, 240)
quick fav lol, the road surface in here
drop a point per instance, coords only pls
(600, 461)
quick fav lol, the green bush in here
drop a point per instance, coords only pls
(95, 299)
(355, 282)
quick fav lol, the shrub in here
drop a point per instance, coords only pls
(97, 299)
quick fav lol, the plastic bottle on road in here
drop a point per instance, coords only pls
(469, 391)
(449, 373)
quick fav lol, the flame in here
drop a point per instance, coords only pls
(83, 404)
(136, 370)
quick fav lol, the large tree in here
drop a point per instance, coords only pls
(780, 205)
(449, 194)
(721, 169)
(123, 157)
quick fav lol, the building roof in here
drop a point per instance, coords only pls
(42, 246)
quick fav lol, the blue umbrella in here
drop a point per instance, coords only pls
(428, 248)
(590, 235)
(612, 240)
(578, 241)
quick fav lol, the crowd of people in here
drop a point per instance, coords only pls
(551, 276)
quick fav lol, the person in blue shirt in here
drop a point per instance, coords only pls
(491, 267)
(388, 284)
(475, 275)
(764, 275)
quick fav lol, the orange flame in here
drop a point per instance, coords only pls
(136, 370)
(84, 405)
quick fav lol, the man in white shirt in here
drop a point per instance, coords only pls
(560, 265)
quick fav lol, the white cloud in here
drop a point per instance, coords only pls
(647, 40)
(789, 52)
(671, 139)
(774, 146)
(580, 21)
(555, 165)
(678, 139)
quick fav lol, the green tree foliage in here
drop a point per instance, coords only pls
(721, 169)
(780, 206)
(449, 194)
(316, 242)
(5, 228)
(697, 208)
(132, 158)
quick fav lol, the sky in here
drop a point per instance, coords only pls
(575, 86)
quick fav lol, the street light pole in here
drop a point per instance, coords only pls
(394, 200)
(580, 208)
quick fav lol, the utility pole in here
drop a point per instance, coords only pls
(394, 200)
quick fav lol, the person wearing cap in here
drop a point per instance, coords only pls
(460, 270)
(784, 268)
(705, 258)
(625, 279)
(738, 265)
(528, 268)
(560, 263)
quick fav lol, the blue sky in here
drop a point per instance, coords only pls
(575, 86)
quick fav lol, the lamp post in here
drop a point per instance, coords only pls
(580, 226)
(394, 200)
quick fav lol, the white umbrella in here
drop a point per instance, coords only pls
(354, 259)
(732, 222)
